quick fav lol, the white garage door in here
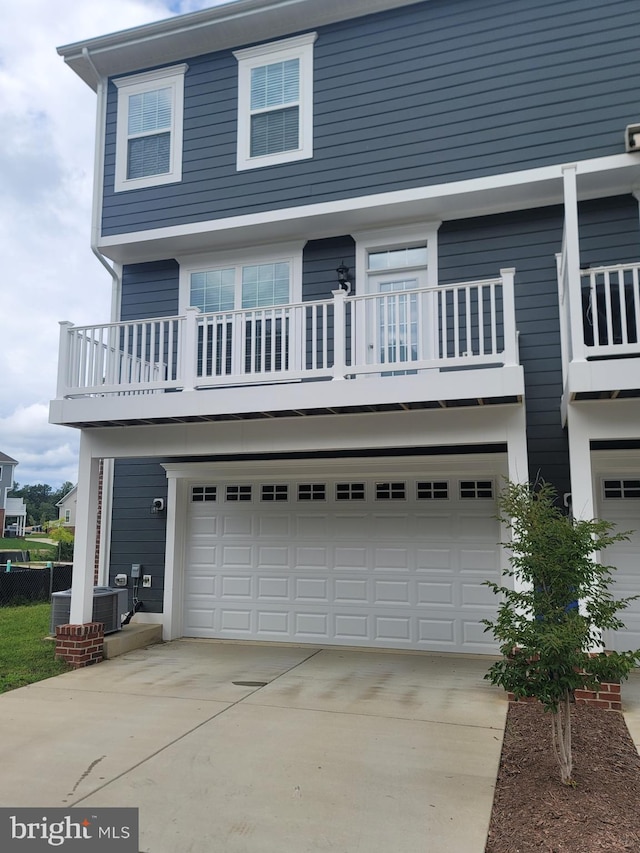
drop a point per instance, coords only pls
(396, 563)
(620, 503)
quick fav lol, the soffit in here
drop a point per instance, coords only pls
(233, 24)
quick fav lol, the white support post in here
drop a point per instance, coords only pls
(189, 350)
(84, 551)
(173, 560)
(339, 335)
(582, 498)
(572, 261)
(64, 352)
(518, 464)
(509, 316)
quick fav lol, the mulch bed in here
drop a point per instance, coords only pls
(533, 811)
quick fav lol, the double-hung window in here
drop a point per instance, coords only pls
(149, 128)
(275, 102)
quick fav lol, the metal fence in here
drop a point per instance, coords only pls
(20, 586)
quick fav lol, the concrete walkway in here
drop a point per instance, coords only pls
(340, 750)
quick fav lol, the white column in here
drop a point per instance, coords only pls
(172, 604)
(509, 316)
(339, 334)
(572, 260)
(582, 502)
(104, 554)
(518, 468)
(84, 551)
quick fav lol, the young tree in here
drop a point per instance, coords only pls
(545, 637)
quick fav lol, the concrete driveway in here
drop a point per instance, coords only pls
(340, 750)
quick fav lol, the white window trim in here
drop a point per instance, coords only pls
(298, 47)
(286, 252)
(173, 78)
(396, 238)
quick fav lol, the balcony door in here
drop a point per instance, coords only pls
(397, 320)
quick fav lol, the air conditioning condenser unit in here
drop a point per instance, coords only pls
(109, 606)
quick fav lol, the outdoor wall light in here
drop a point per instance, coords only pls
(344, 279)
(157, 505)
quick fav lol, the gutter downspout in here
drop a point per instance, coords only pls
(115, 272)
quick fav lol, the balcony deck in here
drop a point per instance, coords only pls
(600, 322)
(424, 348)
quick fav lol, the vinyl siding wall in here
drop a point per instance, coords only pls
(440, 91)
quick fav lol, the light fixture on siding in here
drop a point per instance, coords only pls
(344, 279)
(157, 505)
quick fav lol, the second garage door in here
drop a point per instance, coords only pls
(397, 562)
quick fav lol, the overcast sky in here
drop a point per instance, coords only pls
(47, 122)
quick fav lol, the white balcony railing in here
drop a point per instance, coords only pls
(599, 311)
(453, 326)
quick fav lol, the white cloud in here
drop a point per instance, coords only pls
(47, 121)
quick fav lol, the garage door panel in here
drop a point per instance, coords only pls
(392, 628)
(278, 525)
(237, 556)
(395, 592)
(312, 589)
(437, 632)
(237, 525)
(348, 558)
(346, 590)
(311, 557)
(274, 587)
(434, 560)
(275, 557)
(236, 586)
(345, 572)
(477, 560)
(435, 594)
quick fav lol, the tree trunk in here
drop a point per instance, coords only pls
(561, 739)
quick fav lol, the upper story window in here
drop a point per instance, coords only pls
(149, 128)
(275, 102)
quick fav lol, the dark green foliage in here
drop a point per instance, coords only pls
(544, 637)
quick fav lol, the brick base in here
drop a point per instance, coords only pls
(607, 696)
(80, 645)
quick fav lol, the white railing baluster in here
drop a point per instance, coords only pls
(636, 302)
(623, 308)
(469, 343)
(481, 319)
(607, 300)
(456, 324)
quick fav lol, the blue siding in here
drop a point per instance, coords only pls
(137, 536)
(150, 290)
(439, 91)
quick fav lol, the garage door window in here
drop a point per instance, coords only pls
(204, 493)
(312, 492)
(275, 492)
(476, 489)
(349, 491)
(621, 489)
(238, 493)
(391, 491)
(432, 490)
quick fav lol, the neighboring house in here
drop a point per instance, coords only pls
(369, 259)
(13, 512)
(67, 508)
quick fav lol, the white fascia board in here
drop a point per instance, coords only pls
(229, 25)
(371, 431)
(611, 375)
(295, 396)
(606, 420)
(499, 193)
(373, 466)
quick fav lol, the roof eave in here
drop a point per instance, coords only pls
(232, 24)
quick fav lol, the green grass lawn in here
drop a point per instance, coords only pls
(25, 656)
(37, 550)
